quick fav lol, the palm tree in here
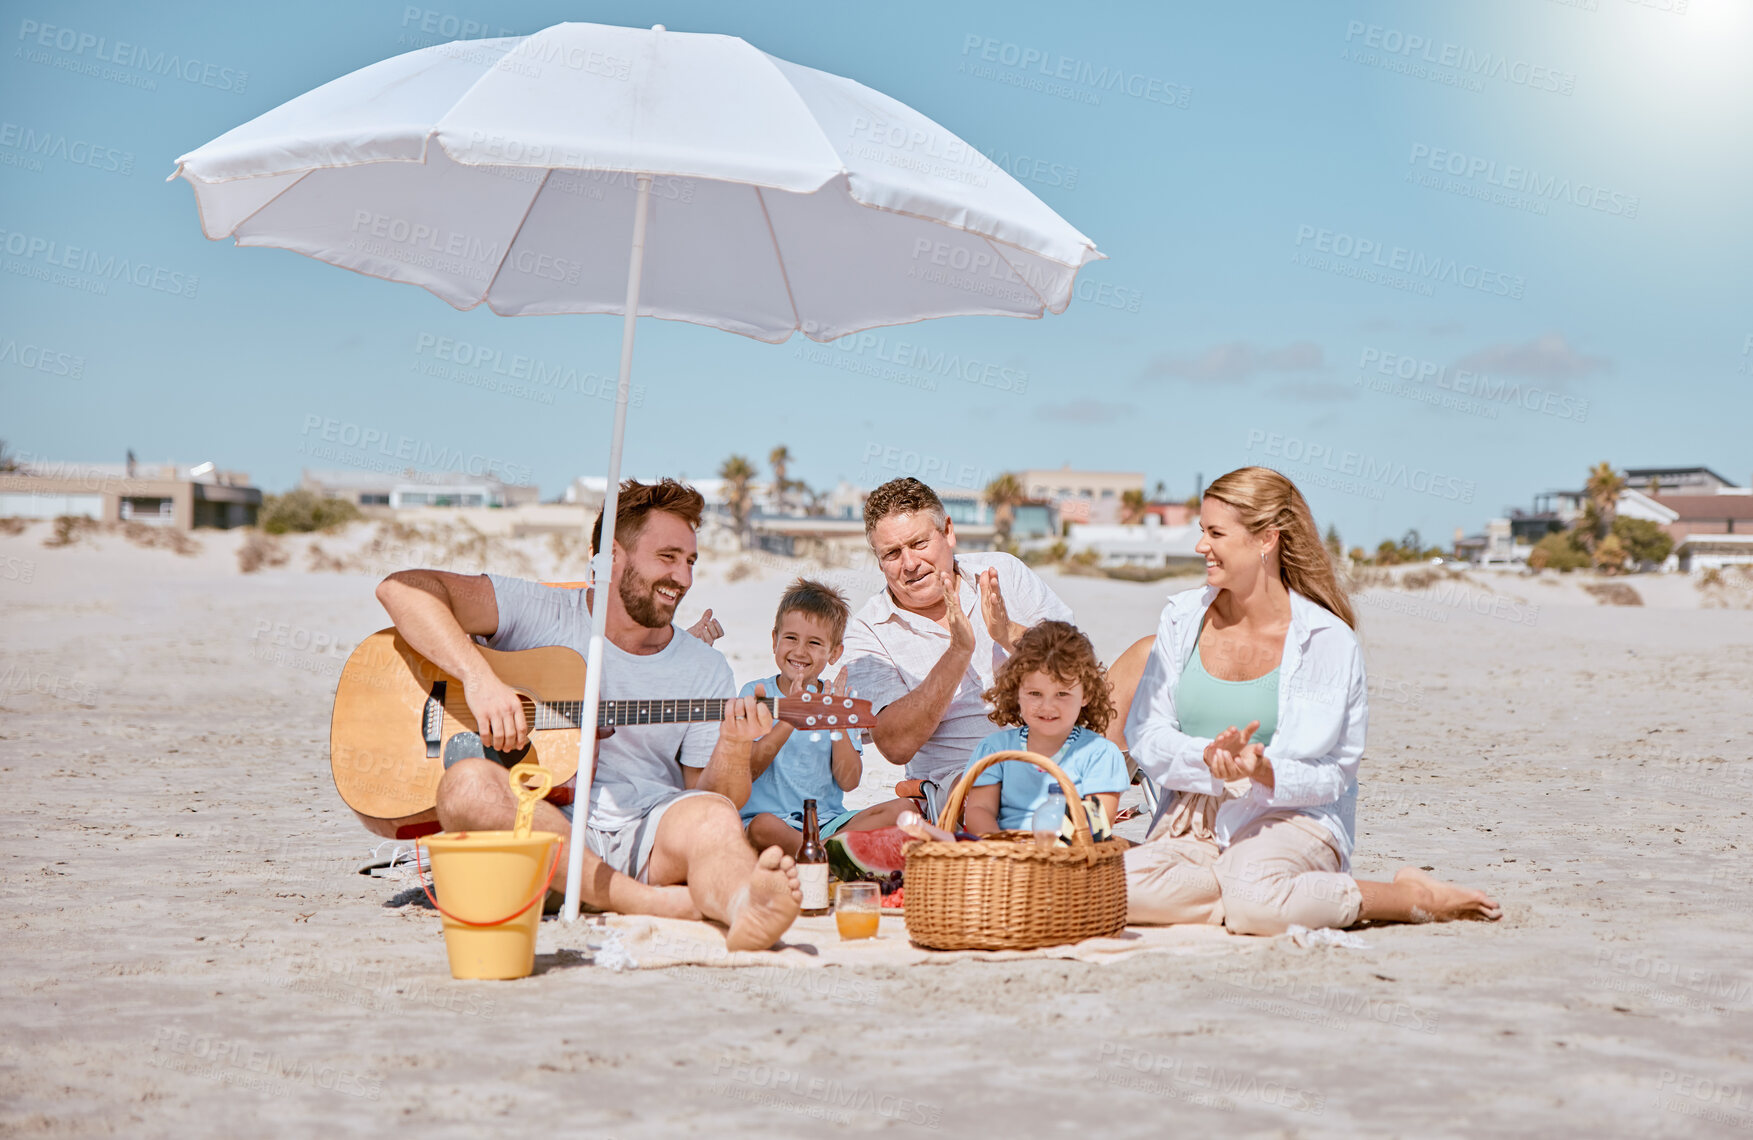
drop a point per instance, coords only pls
(1132, 504)
(737, 472)
(780, 459)
(1603, 489)
(7, 461)
(1002, 495)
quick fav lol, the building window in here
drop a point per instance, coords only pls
(370, 500)
(963, 511)
(147, 510)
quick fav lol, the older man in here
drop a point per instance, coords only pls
(925, 649)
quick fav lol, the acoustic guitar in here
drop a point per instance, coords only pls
(400, 721)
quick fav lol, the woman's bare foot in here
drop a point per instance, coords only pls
(1438, 901)
(764, 909)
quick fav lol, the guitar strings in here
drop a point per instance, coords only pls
(710, 708)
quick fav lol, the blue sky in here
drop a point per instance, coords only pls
(1426, 259)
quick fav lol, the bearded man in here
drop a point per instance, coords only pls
(663, 832)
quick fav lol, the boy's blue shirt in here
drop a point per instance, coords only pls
(803, 770)
(1091, 760)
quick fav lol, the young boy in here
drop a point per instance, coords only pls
(790, 765)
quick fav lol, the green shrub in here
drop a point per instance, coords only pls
(1644, 541)
(1559, 551)
(303, 511)
(1610, 555)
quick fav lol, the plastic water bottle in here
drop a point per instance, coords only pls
(1049, 817)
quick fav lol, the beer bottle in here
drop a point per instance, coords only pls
(812, 864)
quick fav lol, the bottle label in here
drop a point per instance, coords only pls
(812, 879)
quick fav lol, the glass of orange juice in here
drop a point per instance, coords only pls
(857, 910)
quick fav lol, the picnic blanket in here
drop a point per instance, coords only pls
(639, 942)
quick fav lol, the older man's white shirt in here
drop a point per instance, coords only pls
(890, 651)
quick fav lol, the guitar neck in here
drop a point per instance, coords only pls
(614, 714)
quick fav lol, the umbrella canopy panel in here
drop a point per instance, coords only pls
(501, 172)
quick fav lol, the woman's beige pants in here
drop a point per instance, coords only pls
(1281, 870)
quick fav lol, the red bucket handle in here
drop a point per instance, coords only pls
(553, 866)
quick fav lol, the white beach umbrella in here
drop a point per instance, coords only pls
(739, 191)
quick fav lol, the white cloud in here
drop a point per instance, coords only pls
(1315, 392)
(1086, 412)
(1237, 361)
(1547, 357)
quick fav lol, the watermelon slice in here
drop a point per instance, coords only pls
(869, 856)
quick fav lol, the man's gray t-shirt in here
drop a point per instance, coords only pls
(637, 768)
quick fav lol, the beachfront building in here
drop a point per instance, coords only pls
(1032, 519)
(1728, 511)
(1556, 511)
(588, 491)
(1509, 540)
(1496, 548)
(1148, 545)
(1714, 551)
(835, 537)
(1690, 503)
(1172, 514)
(1081, 496)
(377, 492)
(845, 501)
(1712, 522)
(1677, 481)
(831, 541)
(156, 494)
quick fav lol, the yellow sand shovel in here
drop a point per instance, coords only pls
(486, 872)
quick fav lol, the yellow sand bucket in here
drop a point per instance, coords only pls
(493, 884)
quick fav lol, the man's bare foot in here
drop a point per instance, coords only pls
(763, 910)
(1445, 902)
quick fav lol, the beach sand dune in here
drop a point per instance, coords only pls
(188, 950)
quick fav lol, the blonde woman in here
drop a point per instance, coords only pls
(1252, 711)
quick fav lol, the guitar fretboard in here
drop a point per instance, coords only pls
(613, 714)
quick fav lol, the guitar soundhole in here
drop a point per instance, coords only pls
(467, 745)
(506, 759)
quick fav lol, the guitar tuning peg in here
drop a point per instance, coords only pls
(835, 735)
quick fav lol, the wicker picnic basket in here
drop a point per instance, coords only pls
(1006, 893)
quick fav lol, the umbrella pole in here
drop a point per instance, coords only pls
(601, 564)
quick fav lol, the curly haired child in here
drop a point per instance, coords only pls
(1052, 699)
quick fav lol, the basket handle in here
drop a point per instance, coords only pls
(951, 818)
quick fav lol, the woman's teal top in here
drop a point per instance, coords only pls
(1206, 706)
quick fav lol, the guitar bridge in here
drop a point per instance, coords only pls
(432, 720)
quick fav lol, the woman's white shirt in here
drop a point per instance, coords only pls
(1323, 715)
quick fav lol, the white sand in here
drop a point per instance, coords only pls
(188, 950)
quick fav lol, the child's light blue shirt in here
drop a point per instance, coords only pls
(1091, 760)
(803, 770)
